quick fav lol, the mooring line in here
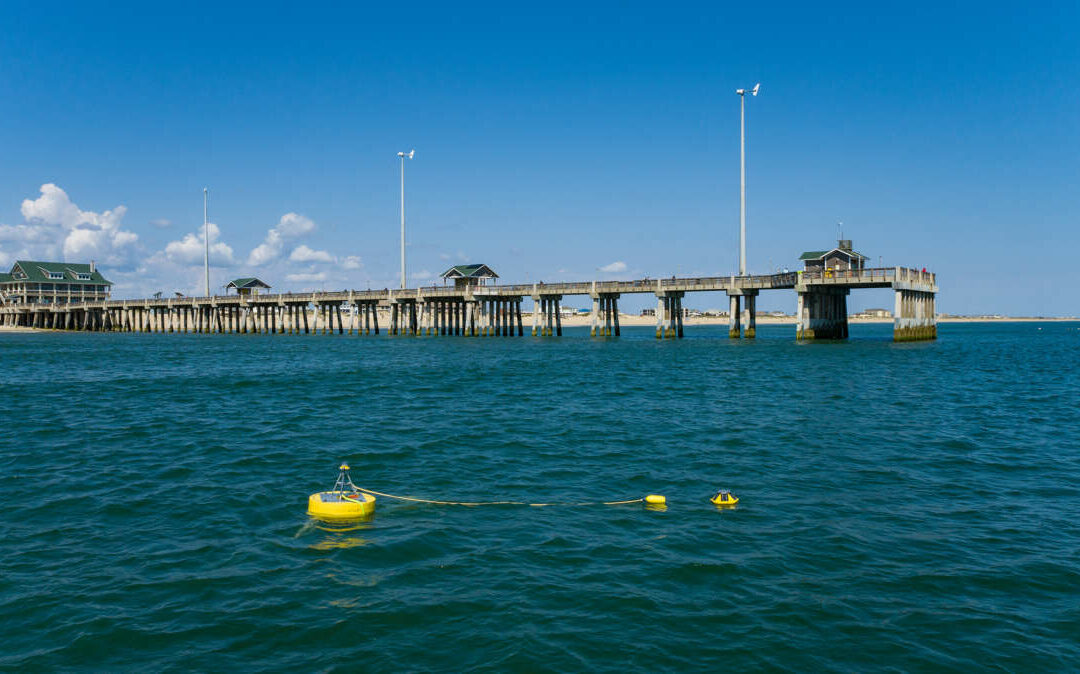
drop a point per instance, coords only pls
(487, 503)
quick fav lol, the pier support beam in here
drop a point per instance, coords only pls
(914, 316)
(594, 316)
(750, 312)
(608, 304)
(734, 317)
(669, 314)
(742, 311)
(822, 314)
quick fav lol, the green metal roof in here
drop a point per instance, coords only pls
(818, 254)
(469, 271)
(38, 272)
(5, 277)
(248, 282)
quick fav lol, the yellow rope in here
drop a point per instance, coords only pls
(486, 503)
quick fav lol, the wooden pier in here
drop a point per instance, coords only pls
(493, 310)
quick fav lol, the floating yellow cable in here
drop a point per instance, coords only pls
(651, 499)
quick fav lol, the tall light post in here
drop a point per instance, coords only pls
(206, 236)
(742, 175)
(403, 155)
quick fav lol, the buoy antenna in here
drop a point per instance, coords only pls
(344, 480)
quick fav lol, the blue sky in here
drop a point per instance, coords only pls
(552, 141)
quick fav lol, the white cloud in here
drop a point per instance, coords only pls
(306, 277)
(614, 267)
(293, 225)
(263, 253)
(421, 275)
(26, 234)
(305, 254)
(290, 226)
(191, 249)
(57, 226)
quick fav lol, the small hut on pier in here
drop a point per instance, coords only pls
(841, 258)
(465, 275)
(247, 286)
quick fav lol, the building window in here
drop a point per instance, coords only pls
(83, 276)
(56, 275)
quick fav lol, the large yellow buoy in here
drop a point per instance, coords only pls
(344, 502)
(724, 498)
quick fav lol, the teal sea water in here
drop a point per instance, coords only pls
(908, 506)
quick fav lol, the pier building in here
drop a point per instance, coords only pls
(30, 282)
(843, 257)
(465, 275)
(246, 286)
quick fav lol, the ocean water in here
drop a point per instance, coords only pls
(903, 506)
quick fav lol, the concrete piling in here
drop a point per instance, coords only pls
(822, 314)
(914, 316)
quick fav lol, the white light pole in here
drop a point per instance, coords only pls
(403, 155)
(206, 236)
(742, 175)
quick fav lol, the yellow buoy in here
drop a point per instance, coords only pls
(340, 505)
(655, 499)
(724, 498)
(344, 502)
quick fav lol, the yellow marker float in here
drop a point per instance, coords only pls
(344, 502)
(723, 499)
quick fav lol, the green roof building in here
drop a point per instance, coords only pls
(247, 286)
(841, 258)
(31, 282)
(469, 274)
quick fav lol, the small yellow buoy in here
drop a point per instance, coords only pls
(655, 499)
(724, 498)
(344, 502)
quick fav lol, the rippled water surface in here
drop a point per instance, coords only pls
(910, 506)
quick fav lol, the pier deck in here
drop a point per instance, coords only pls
(496, 309)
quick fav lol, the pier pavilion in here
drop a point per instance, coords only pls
(841, 258)
(465, 275)
(43, 283)
(246, 286)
